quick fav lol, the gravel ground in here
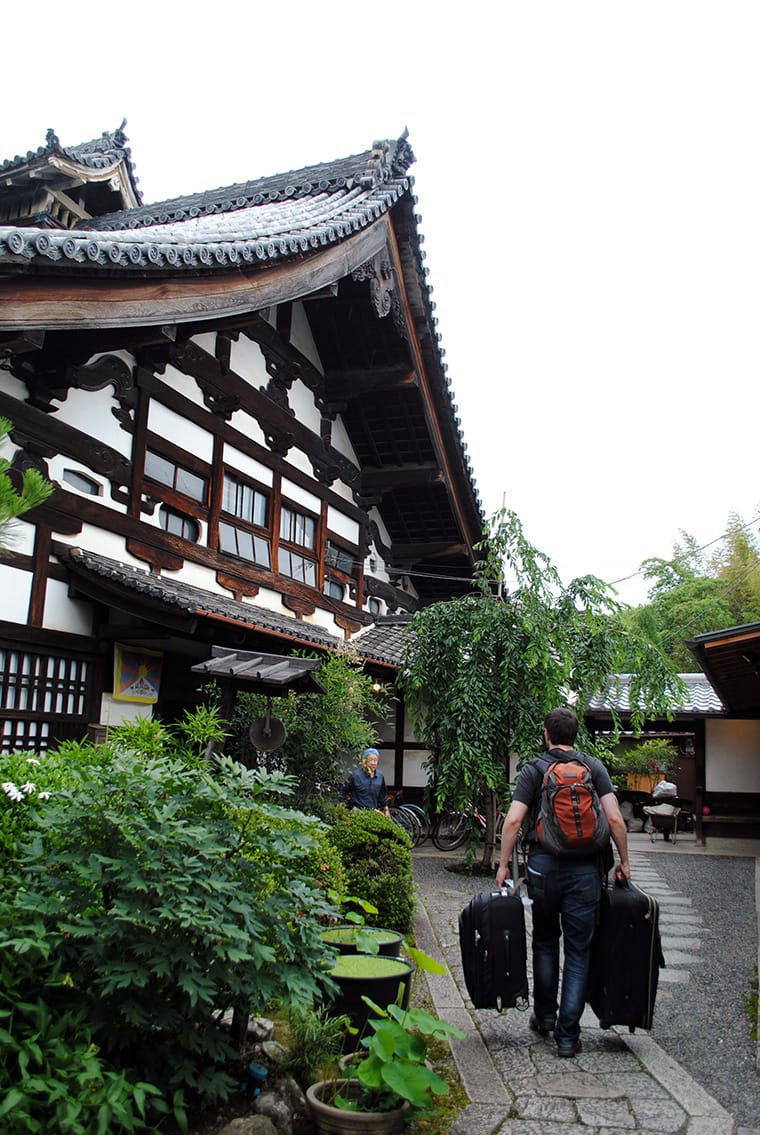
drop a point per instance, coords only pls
(704, 1024)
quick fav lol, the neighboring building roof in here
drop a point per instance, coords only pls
(731, 660)
(701, 698)
(384, 640)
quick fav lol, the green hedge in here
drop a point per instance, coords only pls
(377, 863)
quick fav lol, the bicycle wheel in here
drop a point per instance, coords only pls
(416, 825)
(451, 830)
(404, 821)
(422, 827)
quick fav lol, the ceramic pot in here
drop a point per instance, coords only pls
(329, 1120)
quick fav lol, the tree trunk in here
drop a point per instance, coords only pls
(490, 850)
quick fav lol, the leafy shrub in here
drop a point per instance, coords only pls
(165, 896)
(28, 780)
(52, 1076)
(377, 861)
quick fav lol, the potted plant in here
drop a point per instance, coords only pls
(392, 1084)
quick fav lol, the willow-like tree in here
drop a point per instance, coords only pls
(17, 497)
(480, 672)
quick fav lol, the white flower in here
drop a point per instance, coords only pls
(32, 761)
(9, 788)
(44, 795)
(28, 787)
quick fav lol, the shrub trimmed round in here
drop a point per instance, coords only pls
(377, 861)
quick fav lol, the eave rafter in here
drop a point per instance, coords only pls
(382, 480)
(344, 386)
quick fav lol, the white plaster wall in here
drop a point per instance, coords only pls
(14, 387)
(301, 402)
(19, 536)
(302, 338)
(300, 496)
(298, 459)
(732, 756)
(90, 412)
(248, 465)
(342, 525)
(206, 340)
(102, 543)
(247, 425)
(183, 384)
(64, 614)
(15, 592)
(247, 360)
(177, 429)
(341, 442)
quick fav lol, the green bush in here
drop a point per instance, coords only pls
(52, 1077)
(167, 895)
(377, 861)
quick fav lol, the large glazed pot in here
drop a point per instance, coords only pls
(329, 1120)
(384, 980)
(344, 939)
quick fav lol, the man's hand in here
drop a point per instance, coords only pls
(622, 872)
(502, 874)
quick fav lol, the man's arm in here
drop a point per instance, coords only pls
(619, 833)
(509, 833)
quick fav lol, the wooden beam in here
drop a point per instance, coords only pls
(345, 385)
(70, 303)
(387, 477)
(412, 553)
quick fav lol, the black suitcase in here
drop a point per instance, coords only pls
(626, 956)
(494, 955)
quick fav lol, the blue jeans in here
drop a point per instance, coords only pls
(565, 896)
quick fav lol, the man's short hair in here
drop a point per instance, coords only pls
(562, 726)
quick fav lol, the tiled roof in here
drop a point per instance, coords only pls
(384, 640)
(105, 152)
(701, 697)
(194, 600)
(256, 222)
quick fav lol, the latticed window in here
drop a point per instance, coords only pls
(42, 697)
(248, 538)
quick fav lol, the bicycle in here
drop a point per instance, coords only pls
(452, 829)
(410, 817)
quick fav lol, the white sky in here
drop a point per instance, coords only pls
(588, 176)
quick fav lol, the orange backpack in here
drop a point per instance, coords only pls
(571, 820)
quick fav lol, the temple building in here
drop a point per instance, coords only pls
(241, 398)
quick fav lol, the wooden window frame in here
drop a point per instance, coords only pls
(240, 524)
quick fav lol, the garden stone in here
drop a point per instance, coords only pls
(276, 1052)
(295, 1101)
(275, 1108)
(261, 1029)
(249, 1125)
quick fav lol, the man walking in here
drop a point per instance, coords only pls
(565, 888)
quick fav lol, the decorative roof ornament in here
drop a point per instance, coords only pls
(387, 160)
(403, 155)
